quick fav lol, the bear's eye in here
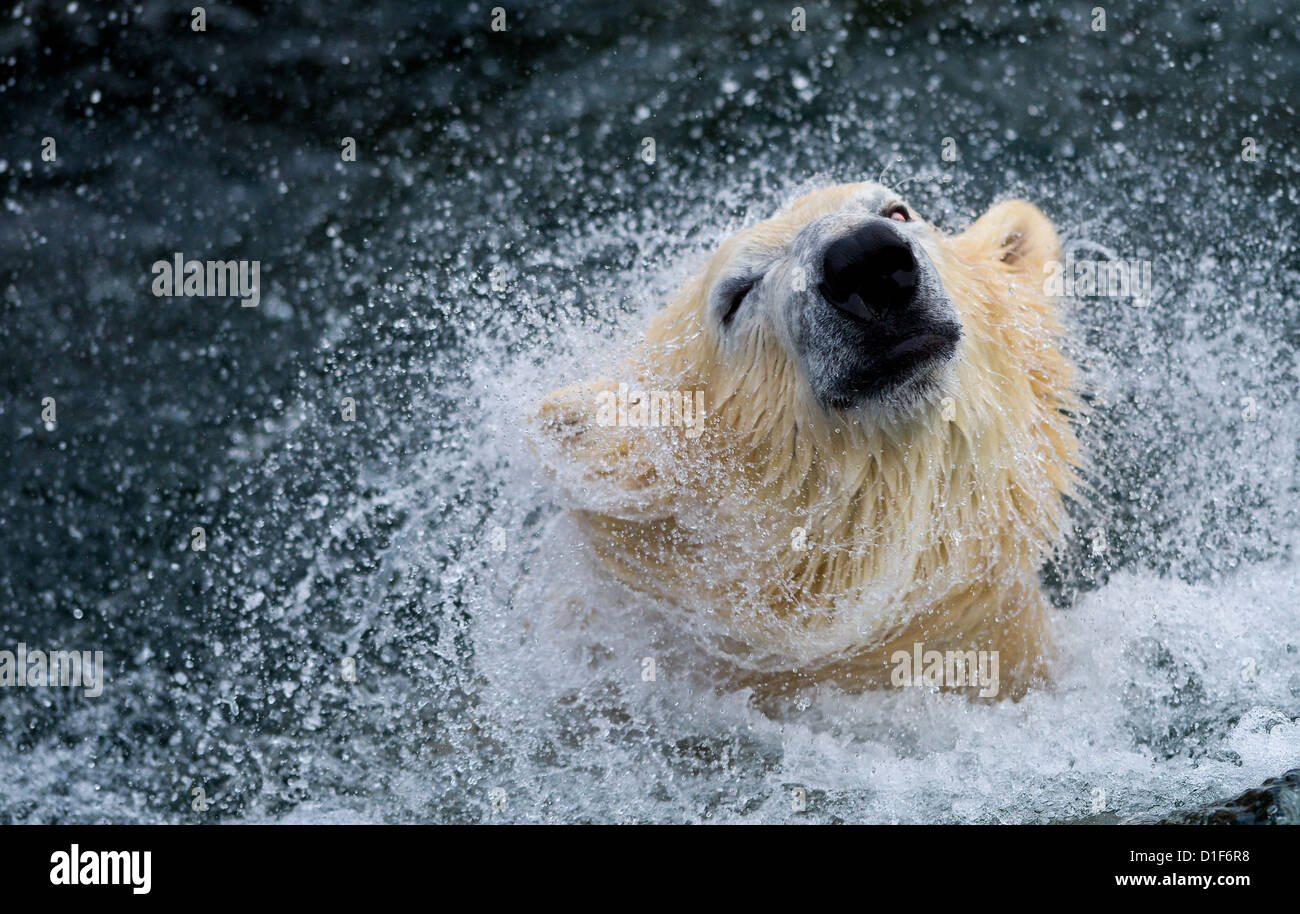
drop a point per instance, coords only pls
(733, 293)
(898, 212)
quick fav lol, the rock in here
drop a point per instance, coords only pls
(1275, 802)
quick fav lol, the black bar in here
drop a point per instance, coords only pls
(299, 863)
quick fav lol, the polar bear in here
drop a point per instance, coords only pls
(848, 441)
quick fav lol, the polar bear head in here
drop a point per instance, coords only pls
(853, 293)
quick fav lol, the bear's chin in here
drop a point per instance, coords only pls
(899, 384)
(896, 402)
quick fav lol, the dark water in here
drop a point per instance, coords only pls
(498, 229)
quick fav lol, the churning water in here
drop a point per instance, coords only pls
(391, 620)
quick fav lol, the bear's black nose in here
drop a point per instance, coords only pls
(869, 271)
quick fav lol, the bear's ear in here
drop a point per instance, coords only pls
(1015, 234)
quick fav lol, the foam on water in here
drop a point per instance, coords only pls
(1165, 694)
